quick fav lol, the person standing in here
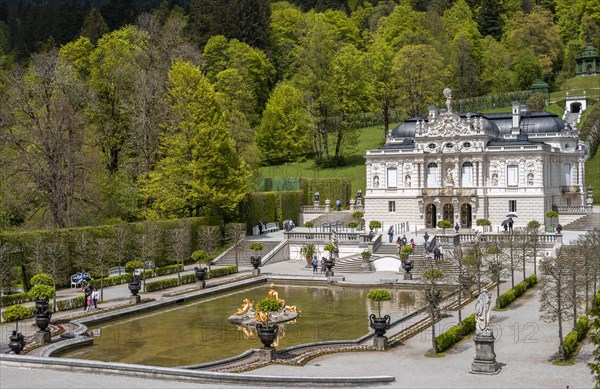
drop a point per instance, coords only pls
(323, 266)
(391, 234)
(95, 298)
(87, 291)
(315, 264)
(404, 241)
(338, 204)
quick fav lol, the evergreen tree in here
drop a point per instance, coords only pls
(490, 18)
(207, 18)
(118, 13)
(94, 26)
(249, 22)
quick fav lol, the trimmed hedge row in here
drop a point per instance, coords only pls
(161, 271)
(573, 338)
(17, 298)
(188, 279)
(61, 305)
(507, 298)
(455, 334)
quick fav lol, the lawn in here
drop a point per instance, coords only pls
(369, 138)
(592, 175)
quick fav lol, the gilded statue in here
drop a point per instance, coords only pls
(274, 295)
(261, 316)
(246, 305)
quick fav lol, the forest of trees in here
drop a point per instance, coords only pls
(134, 111)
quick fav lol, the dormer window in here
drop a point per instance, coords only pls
(449, 145)
(431, 146)
(466, 145)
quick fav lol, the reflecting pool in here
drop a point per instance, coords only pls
(199, 332)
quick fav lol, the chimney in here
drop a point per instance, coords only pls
(516, 117)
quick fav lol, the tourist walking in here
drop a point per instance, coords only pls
(95, 298)
(404, 241)
(323, 266)
(315, 264)
(338, 204)
(391, 234)
(87, 291)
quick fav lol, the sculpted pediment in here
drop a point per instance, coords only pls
(447, 124)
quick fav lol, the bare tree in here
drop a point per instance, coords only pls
(510, 249)
(100, 261)
(208, 238)
(588, 250)
(433, 294)
(555, 299)
(523, 250)
(474, 260)
(495, 265)
(55, 264)
(533, 234)
(7, 265)
(180, 238)
(464, 279)
(237, 233)
(148, 244)
(121, 239)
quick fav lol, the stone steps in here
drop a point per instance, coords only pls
(244, 253)
(586, 223)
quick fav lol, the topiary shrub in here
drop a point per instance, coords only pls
(570, 344)
(352, 225)
(42, 292)
(309, 224)
(42, 279)
(132, 265)
(373, 224)
(15, 313)
(256, 246)
(582, 327)
(379, 295)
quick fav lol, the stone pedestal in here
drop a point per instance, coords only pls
(484, 361)
(42, 337)
(135, 299)
(266, 354)
(408, 276)
(380, 342)
(255, 272)
(329, 273)
(202, 284)
(366, 266)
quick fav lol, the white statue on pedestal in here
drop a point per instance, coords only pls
(482, 312)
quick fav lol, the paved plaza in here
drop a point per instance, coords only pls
(524, 347)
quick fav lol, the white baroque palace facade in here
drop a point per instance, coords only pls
(467, 167)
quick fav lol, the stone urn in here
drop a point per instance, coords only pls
(408, 265)
(42, 320)
(17, 342)
(200, 273)
(134, 287)
(267, 334)
(255, 261)
(41, 306)
(379, 324)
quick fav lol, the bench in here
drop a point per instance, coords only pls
(77, 279)
(272, 227)
(116, 271)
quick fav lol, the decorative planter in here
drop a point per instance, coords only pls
(200, 273)
(379, 324)
(41, 306)
(17, 342)
(407, 265)
(267, 334)
(255, 261)
(42, 320)
(134, 287)
(329, 263)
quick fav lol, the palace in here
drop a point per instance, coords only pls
(464, 167)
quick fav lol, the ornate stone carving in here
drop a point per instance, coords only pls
(448, 125)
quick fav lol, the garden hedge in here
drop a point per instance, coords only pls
(508, 297)
(455, 334)
(571, 341)
(188, 279)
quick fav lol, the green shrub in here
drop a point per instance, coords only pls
(444, 224)
(222, 272)
(43, 292)
(161, 271)
(200, 256)
(256, 246)
(187, 279)
(268, 305)
(42, 279)
(582, 327)
(132, 265)
(373, 224)
(519, 289)
(17, 298)
(15, 312)
(570, 344)
(309, 224)
(72, 303)
(352, 225)
(506, 298)
(111, 281)
(161, 284)
(455, 334)
(531, 280)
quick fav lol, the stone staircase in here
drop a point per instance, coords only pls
(244, 254)
(344, 217)
(586, 223)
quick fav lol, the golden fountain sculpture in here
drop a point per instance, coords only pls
(246, 314)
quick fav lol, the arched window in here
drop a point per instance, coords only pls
(432, 172)
(467, 174)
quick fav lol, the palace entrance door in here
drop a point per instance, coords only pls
(448, 213)
(430, 216)
(465, 216)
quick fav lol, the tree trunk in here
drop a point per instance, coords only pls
(432, 315)
(386, 117)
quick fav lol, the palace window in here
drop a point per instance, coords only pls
(512, 175)
(392, 178)
(566, 176)
(512, 205)
(432, 172)
(391, 206)
(467, 174)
